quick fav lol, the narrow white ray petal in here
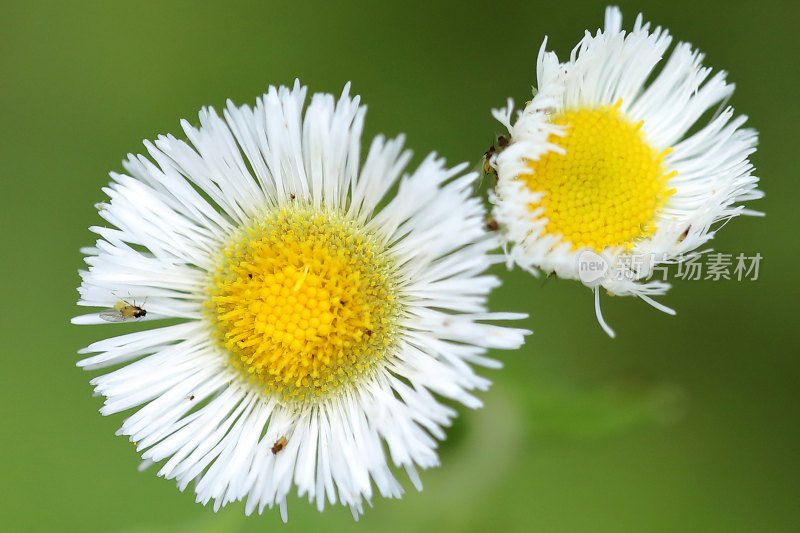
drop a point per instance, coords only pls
(600, 319)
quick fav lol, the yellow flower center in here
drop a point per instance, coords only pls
(305, 302)
(606, 189)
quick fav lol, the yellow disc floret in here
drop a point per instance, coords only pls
(606, 188)
(304, 301)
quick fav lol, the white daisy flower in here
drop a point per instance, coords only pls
(603, 180)
(315, 326)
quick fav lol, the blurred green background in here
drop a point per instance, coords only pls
(685, 423)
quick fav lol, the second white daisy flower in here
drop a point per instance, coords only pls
(602, 180)
(316, 326)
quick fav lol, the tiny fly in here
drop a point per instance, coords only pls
(122, 312)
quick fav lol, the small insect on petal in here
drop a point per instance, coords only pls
(122, 312)
(487, 156)
(279, 445)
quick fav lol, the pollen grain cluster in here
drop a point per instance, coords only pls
(304, 301)
(606, 188)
